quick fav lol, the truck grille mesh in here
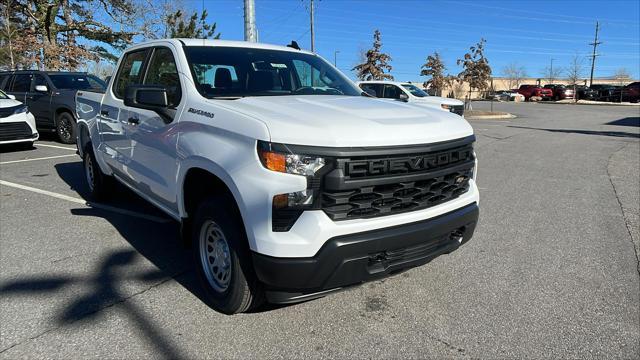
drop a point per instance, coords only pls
(398, 194)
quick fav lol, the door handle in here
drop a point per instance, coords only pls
(133, 120)
(104, 112)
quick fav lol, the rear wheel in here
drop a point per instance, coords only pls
(222, 257)
(99, 183)
(66, 128)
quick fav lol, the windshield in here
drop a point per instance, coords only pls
(414, 90)
(230, 72)
(77, 82)
(3, 96)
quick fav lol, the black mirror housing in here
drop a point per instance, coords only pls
(149, 97)
(403, 97)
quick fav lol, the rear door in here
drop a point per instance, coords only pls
(39, 103)
(152, 140)
(112, 118)
(19, 86)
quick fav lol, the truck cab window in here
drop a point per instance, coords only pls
(21, 83)
(392, 92)
(130, 72)
(163, 71)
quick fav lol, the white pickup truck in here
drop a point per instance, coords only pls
(408, 92)
(288, 181)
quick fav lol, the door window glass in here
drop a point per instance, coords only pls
(130, 72)
(39, 80)
(21, 83)
(391, 92)
(163, 71)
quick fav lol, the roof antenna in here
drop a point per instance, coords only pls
(294, 45)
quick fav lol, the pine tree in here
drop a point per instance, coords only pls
(376, 63)
(180, 27)
(435, 68)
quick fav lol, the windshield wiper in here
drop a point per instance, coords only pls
(226, 97)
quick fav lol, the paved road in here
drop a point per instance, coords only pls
(552, 270)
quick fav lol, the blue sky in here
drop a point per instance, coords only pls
(528, 33)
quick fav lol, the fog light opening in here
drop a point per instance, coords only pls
(457, 235)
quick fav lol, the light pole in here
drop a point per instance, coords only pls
(335, 58)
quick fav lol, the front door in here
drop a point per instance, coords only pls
(153, 140)
(113, 115)
(39, 102)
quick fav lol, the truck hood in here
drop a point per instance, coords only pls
(347, 121)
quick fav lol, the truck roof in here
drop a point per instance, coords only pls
(220, 43)
(44, 72)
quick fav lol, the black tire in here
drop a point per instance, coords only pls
(66, 128)
(99, 184)
(235, 288)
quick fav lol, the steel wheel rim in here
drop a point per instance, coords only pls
(215, 257)
(89, 172)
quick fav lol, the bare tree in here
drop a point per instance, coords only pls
(574, 72)
(552, 74)
(623, 77)
(514, 74)
(376, 66)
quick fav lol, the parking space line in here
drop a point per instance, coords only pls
(34, 159)
(83, 202)
(56, 147)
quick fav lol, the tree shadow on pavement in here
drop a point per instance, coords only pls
(628, 121)
(584, 132)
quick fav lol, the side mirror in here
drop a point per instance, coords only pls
(12, 97)
(42, 88)
(370, 92)
(403, 97)
(149, 97)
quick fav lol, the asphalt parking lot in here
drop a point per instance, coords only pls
(551, 272)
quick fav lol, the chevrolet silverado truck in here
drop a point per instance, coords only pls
(288, 182)
(408, 92)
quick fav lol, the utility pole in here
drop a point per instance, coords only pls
(335, 58)
(551, 75)
(250, 21)
(595, 44)
(313, 35)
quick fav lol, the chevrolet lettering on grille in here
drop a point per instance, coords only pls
(376, 167)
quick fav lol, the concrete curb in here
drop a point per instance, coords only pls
(600, 103)
(491, 117)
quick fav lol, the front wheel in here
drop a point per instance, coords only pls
(222, 257)
(66, 128)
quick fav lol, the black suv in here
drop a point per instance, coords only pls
(50, 96)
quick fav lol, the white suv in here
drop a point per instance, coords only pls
(17, 124)
(408, 92)
(288, 182)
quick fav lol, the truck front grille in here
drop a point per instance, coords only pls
(368, 187)
(14, 131)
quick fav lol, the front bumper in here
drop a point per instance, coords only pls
(355, 258)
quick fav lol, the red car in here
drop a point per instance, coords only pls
(560, 92)
(534, 90)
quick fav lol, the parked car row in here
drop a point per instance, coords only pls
(50, 97)
(17, 124)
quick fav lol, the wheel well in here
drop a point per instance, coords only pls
(84, 138)
(63, 110)
(199, 184)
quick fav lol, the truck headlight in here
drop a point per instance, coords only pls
(290, 163)
(286, 208)
(21, 109)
